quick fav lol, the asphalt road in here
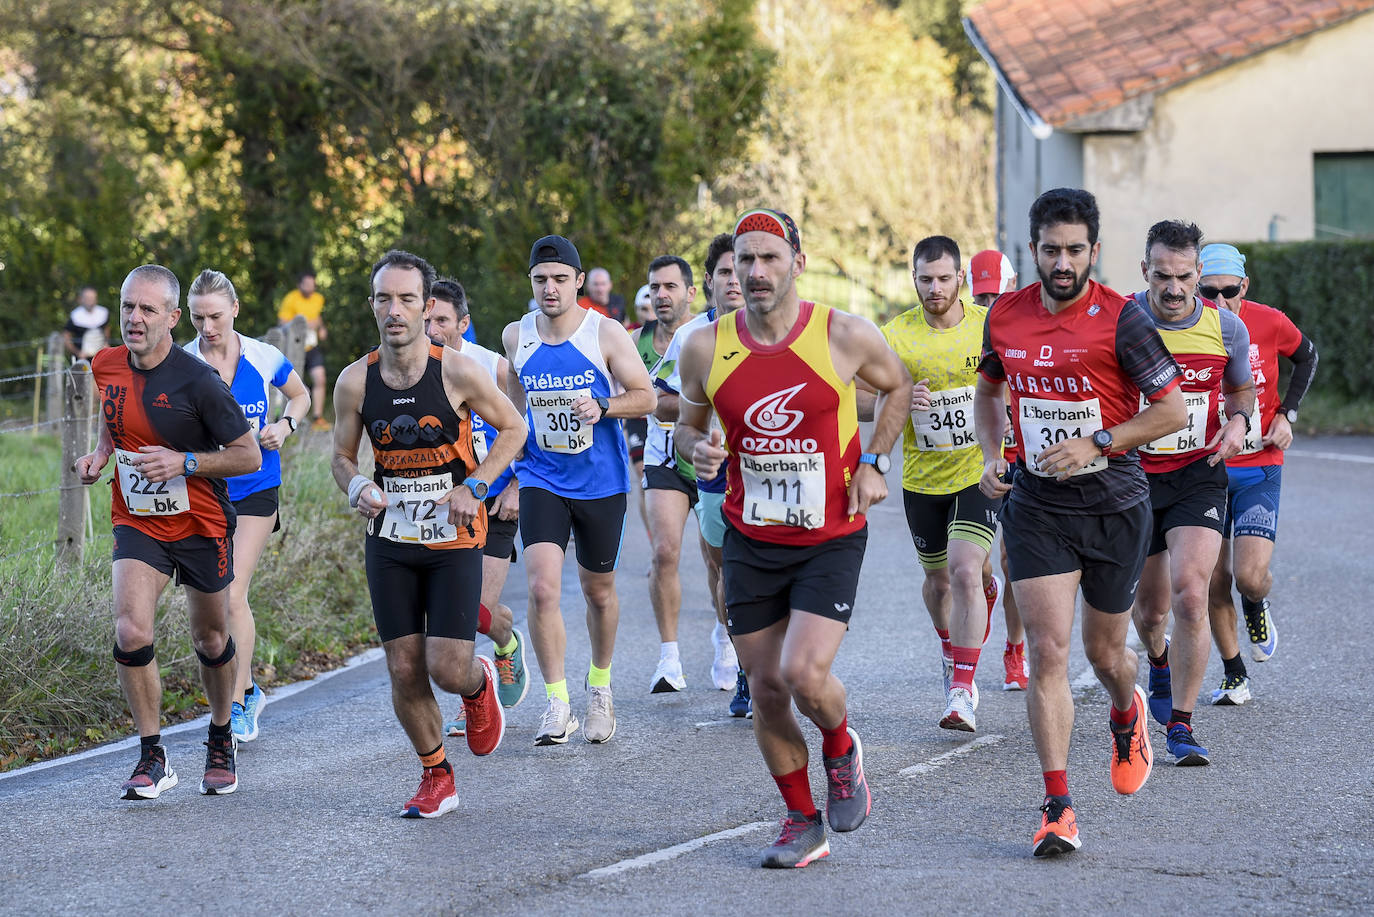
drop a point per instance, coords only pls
(670, 816)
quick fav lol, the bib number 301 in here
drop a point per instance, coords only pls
(146, 498)
(786, 489)
(1044, 422)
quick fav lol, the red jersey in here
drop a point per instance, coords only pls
(1070, 374)
(791, 429)
(1271, 333)
(181, 404)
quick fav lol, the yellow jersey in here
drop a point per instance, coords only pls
(293, 304)
(940, 453)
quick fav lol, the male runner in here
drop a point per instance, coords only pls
(1075, 357)
(780, 375)
(308, 302)
(951, 522)
(426, 521)
(449, 319)
(175, 432)
(1187, 477)
(1255, 474)
(574, 373)
(991, 275)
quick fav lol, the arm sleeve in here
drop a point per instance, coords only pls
(1142, 354)
(990, 366)
(1304, 359)
(1236, 339)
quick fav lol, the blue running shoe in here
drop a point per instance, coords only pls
(1186, 749)
(238, 724)
(512, 679)
(741, 705)
(252, 706)
(1161, 692)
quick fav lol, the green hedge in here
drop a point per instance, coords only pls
(1327, 289)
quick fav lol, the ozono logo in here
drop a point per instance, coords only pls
(770, 414)
(1197, 375)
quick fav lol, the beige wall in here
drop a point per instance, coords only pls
(1230, 150)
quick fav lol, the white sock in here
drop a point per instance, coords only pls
(668, 650)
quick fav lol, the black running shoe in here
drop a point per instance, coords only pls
(849, 801)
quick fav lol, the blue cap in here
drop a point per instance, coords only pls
(1220, 258)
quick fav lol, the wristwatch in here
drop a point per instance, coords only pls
(190, 465)
(1242, 414)
(290, 421)
(1292, 415)
(879, 461)
(1102, 439)
(478, 487)
(605, 405)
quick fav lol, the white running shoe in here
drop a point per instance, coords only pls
(600, 715)
(959, 711)
(667, 677)
(725, 668)
(947, 672)
(557, 724)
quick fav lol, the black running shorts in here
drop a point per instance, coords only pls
(205, 564)
(500, 535)
(764, 582)
(597, 525)
(263, 503)
(1192, 495)
(418, 590)
(1109, 549)
(656, 477)
(314, 358)
(933, 519)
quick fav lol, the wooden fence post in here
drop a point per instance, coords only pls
(57, 353)
(76, 437)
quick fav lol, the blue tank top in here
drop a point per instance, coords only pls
(260, 366)
(563, 455)
(484, 434)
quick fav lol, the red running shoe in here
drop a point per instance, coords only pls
(436, 795)
(1014, 664)
(486, 720)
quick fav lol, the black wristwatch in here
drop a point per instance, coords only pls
(290, 422)
(1102, 439)
(1291, 415)
(605, 405)
(1242, 414)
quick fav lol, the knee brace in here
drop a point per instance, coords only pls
(133, 658)
(224, 657)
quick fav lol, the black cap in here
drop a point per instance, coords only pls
(555, 249)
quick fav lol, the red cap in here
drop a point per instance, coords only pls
(990, 271)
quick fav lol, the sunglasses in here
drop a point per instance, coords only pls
(1230, 292)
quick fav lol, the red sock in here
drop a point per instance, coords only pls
(796, 791)
(1019, 648)
(483, 620)
(1122, 718)
(1056, 783)
(945, 645)
(836, 742)
(965, 664)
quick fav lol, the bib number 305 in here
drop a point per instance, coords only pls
(556, 427)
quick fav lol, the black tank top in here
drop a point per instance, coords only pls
(423, 449)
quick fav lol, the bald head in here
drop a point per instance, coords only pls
(599, 285)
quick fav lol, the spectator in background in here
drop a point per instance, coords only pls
(87, 331)
(599, 297)
(308, 303)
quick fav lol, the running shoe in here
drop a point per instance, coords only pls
(1132, 756)
(1161, 692)
(486, 717)
(993, 590)
(1234, 691)
(668, 677)
(151, 775)
(238, 723)
(1187, 750)
(1264, 636)
(458, 726)
(221, 766)
(321, 425)
(959, 711)
(741, 705)
(557, 724)
(802, 841)
(436, 795)
(849, 801)
(252, 707)
(1017, 672)
(1058, 828)
(600, 715)
(514, 679)
(726, 665)
(947, 672)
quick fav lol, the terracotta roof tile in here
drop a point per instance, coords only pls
(1079, 57)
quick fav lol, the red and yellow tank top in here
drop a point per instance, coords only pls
(791, 429)
(1200, 352)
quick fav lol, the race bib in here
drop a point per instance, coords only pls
(947, 424)
(1252, 439)
(1192, 437)
(1043, 423)
(1009, 434)
(556, 427)
(479, 444)
(143, 497)
(414, 514)
(784, 489)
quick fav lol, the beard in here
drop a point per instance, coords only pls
(1046, 283)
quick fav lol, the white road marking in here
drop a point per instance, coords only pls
(201, 722)
(1332, 456)
(677, 850)
(926, 767)
(724, 722)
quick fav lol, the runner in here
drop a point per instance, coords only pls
(637, 428)
(308, 302)
(780, 376)
(426, 522)
(575, 374)
(1255, 475)
(175, 432)
(250, 368)
(991, 275)
(951, 522)
(668, 495)
(448, 322)
(1187, 475)
(1075, 355)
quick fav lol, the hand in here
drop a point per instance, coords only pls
(866, 489)
(991, 483)
(707, 456)
(1062, 459)
(920, 396)
(89, 466)
(462, 506)
(587, 410)
(507, 505)
(1280, 432)
(158, 463)
(1231, 438)
(273, 436)
(372, 501)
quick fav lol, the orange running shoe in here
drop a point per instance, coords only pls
(1132, 757)
(1058, 829)
(486, 720)
(436, 795)
(1017, 677)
